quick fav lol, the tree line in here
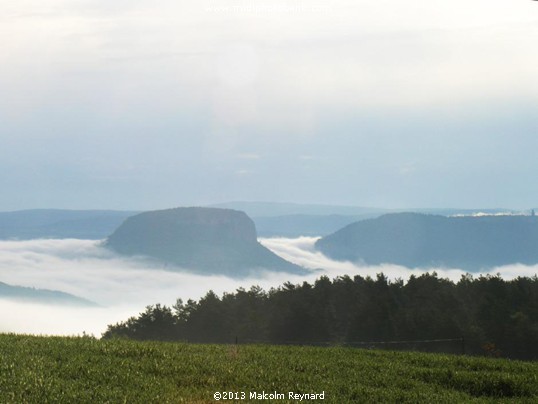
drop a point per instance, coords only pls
(493, 316)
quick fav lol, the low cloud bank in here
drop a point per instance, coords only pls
(124, 286)
(301, 251)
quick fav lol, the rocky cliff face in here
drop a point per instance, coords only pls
(204, 240)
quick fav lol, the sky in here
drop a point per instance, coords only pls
(138, 105)
(123, 287)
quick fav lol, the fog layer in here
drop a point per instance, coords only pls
(124, 286)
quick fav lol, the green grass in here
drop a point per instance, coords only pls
(86, 370)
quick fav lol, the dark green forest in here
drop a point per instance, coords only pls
(485, 315)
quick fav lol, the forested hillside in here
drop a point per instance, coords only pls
(418, 240)
(495, 317)
(203, 240)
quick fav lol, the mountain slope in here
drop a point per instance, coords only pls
(46, 296)
(417, 240)
(207, 240)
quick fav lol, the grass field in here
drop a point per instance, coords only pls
(86, 370)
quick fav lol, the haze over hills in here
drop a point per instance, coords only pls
(60, 223)
(272, 219)
(43, 296)
(303, 225)
(419, 240)
(268, 209)
(278, 219)
(206, 240)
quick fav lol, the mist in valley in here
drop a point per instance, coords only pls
(123, 287)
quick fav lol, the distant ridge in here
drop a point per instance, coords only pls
(268, 209)
(272, 219)
(282, 219)
(418, 240)
(205, 240)
(25, 294)
(303, 225)
(60, 223)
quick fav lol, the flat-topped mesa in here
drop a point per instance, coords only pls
(203, 240)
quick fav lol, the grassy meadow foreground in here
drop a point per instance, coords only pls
(82, 369)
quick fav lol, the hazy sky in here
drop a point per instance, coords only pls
(137, 104)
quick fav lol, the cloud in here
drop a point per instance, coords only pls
(155, 94)
(482, 214)
(249, 156)
(31, 318)
(84, 268)
(302, 252)
(124, 286)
